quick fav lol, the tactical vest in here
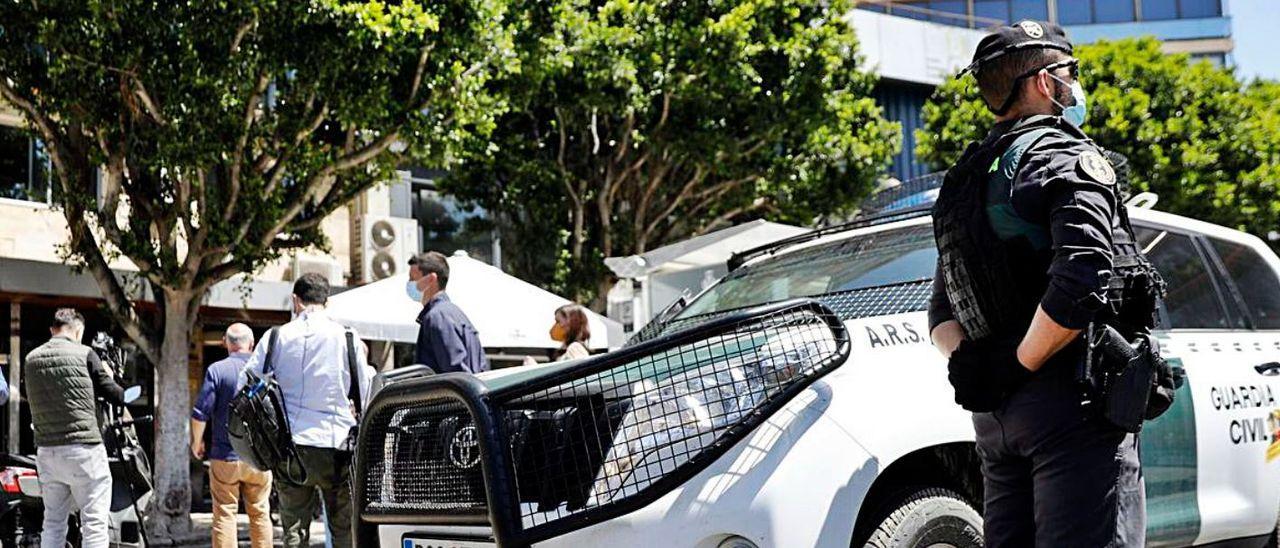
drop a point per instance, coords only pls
(995, 264)
(60, 391)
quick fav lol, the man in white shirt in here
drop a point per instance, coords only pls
(310, 364)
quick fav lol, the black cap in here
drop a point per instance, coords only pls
(1018, 36)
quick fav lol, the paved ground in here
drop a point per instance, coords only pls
(202, 522)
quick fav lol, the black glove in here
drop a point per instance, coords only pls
(984, 373)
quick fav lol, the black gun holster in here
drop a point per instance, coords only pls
(1124, 381)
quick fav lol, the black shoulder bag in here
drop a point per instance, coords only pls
(353, 394)
(258, 424)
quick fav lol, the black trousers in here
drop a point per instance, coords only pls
(328, 479)
(1056, 476)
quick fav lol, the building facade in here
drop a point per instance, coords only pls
(915, 43)
(371, 238)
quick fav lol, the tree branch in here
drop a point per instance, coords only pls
(759, 203)
(82, 239)
(420, 71)
(237, 155)
(148, 103)
(241, 32)
(699, 173)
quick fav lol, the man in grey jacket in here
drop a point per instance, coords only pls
(62, 378)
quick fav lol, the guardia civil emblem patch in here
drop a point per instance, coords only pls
(1032, 28)
(1097, 168)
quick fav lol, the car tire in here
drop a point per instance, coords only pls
(929, 517)
(1274, 540)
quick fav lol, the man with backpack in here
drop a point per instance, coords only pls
(312, 359)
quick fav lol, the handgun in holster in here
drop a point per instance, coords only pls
(1119, 377)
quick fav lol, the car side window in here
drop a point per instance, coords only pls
(1192, 301)
(1255, 279)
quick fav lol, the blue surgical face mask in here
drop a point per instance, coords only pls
(412, 290)
(1076, 113)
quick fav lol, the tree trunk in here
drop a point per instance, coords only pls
(170, 514)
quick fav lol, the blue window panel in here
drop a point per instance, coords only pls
(1195, 9)
(911, 10)
(871, 7)
(1029, 9)
(904, 103)
(1075, 12)
(1159, 10)
(991, 9)
(950, 12)
(1113, 11)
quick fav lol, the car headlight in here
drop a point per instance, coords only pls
(670, 420)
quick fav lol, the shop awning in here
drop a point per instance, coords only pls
(38, 278)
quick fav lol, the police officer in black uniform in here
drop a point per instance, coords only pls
(1027, 224)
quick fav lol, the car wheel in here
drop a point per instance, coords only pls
(929, 518)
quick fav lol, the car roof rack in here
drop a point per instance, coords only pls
(738, 259)
(911, 199)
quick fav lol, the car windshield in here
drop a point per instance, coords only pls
(870, 260)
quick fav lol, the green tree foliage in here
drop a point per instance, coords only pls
(636, 123)
(1193, 133)
(203, 139)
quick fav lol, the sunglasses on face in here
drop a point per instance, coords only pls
(1072, 66)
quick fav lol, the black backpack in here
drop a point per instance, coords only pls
(258, 424)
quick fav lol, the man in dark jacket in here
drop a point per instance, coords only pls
(1030, 232)
(447, 342)
(62, 378)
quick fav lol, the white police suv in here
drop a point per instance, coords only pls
(799, 403)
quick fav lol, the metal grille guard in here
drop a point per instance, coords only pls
(541, 482)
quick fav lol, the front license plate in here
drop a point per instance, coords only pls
(417, 542)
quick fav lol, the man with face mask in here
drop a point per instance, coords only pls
(447, 342)
(1027, 224)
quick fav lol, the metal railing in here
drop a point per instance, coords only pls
(909, 9)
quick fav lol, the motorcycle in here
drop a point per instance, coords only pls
(21, 506)
(21, 511)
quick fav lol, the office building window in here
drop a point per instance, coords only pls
(1192, 9)
(1028, 9)
(1158, 10)
(991, 9)
(24, 167)
(447, 225)
(1075, 12)
(949, 12)
(1070, 12)
(1215, 59)
(1113, 11)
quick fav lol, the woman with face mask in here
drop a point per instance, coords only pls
(572, 332)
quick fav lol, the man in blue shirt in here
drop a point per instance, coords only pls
(447, 342)
(228, 477)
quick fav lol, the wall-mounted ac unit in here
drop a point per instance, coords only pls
(323, 265)
(386, 243)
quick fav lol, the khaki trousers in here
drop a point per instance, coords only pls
(227, 481)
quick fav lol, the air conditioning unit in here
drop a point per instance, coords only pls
(386, 243)
(326, 266)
